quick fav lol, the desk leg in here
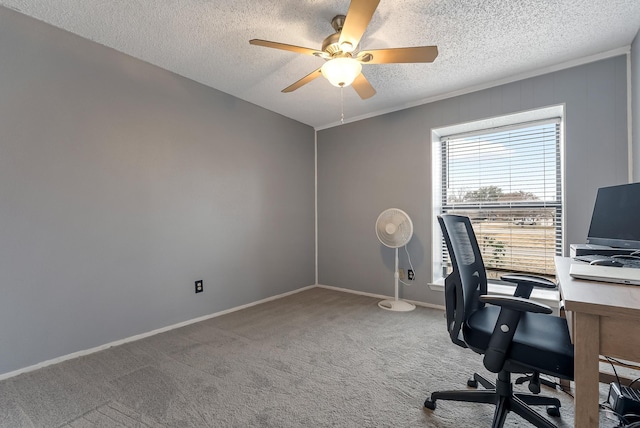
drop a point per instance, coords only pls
(586, 369)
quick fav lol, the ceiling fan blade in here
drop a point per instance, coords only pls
(285, 47)
(363, 87)
(306, 79)
(358, 17)
(399, 55)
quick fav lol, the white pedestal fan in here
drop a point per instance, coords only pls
(394, 230)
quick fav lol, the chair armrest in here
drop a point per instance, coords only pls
(519, 304)
(526, 283)
(536, 281)
(511, 310)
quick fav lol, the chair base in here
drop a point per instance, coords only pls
(502, 396)
(534, 382)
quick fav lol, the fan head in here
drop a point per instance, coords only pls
(394, 228)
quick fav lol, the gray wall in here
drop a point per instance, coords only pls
(382, 162)
(121, 184)
(635, 105)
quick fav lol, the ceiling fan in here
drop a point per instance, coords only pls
(340, 50)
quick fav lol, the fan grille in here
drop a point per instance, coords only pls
(394, 228)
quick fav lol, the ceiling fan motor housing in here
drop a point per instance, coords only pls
(331, 46)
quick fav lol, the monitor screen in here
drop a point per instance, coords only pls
(616, 217)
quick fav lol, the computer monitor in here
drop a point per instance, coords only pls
(616, 217)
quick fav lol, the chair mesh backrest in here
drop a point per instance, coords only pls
(468, 279)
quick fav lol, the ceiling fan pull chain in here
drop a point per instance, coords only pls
(342, 104)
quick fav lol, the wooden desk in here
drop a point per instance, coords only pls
(603, 319)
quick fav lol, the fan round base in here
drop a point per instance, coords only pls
(396, 305)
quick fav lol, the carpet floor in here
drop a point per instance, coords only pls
(317, 358)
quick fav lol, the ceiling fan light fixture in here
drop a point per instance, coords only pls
(341, 72)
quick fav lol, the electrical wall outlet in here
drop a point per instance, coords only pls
(411, 275)
(199, 286)
(401, 273)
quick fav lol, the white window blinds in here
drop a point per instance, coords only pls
(508, 181)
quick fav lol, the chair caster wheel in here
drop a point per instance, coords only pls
(472, 382)
(429, 404)
(553, 411)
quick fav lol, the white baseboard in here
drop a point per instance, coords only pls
(382, 297)
(73, 355)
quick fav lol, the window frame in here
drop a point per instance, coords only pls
(488, 126)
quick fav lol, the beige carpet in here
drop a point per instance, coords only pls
(318, 358)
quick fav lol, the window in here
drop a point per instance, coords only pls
(508, 180)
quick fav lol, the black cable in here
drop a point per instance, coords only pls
(634, 424)
(626, 364)
(607, 408)
(623, 363)
(631, 366)
(624, 419)
(611, 361)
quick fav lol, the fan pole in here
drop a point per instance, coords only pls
(396, 276)
(396, 305)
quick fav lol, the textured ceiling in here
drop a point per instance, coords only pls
(479, 42)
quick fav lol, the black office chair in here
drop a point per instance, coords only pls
(515, 334)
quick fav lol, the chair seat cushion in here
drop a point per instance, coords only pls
(541, 342)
